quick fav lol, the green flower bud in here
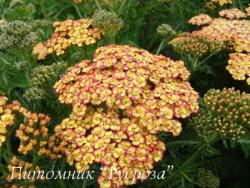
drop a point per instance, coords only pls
(206, 179)
(107, 21)
(35, 94)
(165, 30)
(225, 112)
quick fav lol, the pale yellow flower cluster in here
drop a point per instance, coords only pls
(7, 118)
(232, 14)
(77, 1)
(201, 19)
(121, 100)
(239, 66)
(248, 10)
(68, 33)
(213, 3)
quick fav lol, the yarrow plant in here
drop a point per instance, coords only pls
(32, 132)
(190, 44)
(226, 112)
(232, 14)
(239, 66)
(67, 33)
(212, 3)
(121, 100)
(234, 35)
(202, 19)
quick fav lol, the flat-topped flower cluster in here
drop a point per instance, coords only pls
(120, 100)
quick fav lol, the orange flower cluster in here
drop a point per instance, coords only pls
(67, 33)
(120, 100)
(232, 14)
(7, 118)
(201, 19)
(33, 133)
(14, 176)
(239, 66)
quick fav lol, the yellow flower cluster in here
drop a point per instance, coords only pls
(120, 100)
(77, 1)
(201, 19)
(1, 22)
(232, 14)
(67, 33)
(248, 10)
(188, 43)
(7, 118)
(219, 2)
(14, 176)
(239, 66)
(226, 112)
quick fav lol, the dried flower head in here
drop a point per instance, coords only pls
(232, 14)
(17, 34)
(226, 113)
(239, 66)
(68, 33)
(201, 19)
(120, 100)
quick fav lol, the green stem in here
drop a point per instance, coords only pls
(160, 46)
(44, 11)
(77, 10)
(182, 142)
(98, 4)
(120, 10)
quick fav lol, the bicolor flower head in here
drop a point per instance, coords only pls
(201, 19)
(239, 66)
(68, 33)
(121, 100)
(232, 14)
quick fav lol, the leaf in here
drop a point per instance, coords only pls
(245, 146)
(10, 79)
